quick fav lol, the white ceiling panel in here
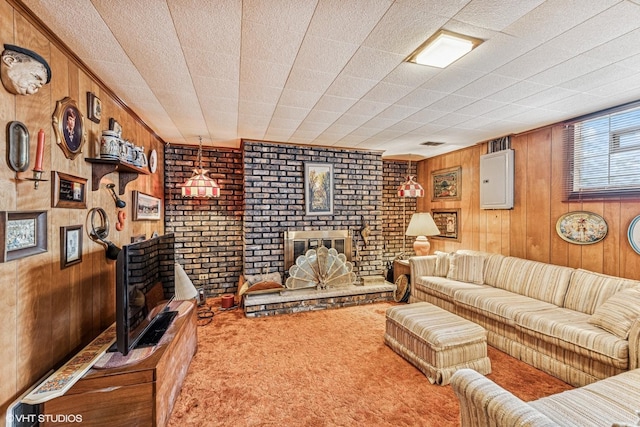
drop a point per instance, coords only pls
(332, 72)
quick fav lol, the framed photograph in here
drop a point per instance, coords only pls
(68, 191)
(115, 126)
(68, 125)
(146, 207)
(448, 222)
(581, 227)
(318, 188)
(22, 234)
(94, 107)
(446, 184)
(70, 245)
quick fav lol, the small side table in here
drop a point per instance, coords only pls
(400, 266)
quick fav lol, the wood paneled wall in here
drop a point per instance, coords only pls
(48, 312)
(529, 229)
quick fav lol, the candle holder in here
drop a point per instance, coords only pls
(37, 177)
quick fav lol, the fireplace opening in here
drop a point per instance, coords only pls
(298, 242)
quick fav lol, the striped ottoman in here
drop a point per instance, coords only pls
(436, 341)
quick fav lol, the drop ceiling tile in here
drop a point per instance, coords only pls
(398, 112)
(410, 74)
(346, 21)
(417, 26)
(534, 62)
(350, 87)
(607, 25)
(334, 103)
(286, 112)
(263, 73)
(597, 78)
(568, 70)
(452, 103)
(506, 111)
(624, 88)
(452, 79)
(545, 97)
(298, 98)
(373, 64)
(261, 42)
(320, 116)
(323, 54)
(517, 91)
(216, 88)
(480, 107)
(495, 14)
(309, 80)
(486, 85)
(367, 108)
(259, 93)
(213, 65)
(421, 98)
(289, 16)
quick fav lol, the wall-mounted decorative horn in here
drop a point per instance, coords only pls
(99, 231)
(119, 202)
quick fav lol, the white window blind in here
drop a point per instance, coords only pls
(603, 154)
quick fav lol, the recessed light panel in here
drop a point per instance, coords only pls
(443, 48)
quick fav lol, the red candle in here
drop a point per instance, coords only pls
(39, 152)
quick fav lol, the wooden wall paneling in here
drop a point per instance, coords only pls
(470, 202)
(8, 271)
(518, 217)
(559, 249)
(592, 255)
(538, 202)
(615, 241)
(629, 259)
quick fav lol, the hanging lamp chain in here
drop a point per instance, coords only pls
(200, 154)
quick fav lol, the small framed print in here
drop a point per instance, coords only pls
(146, 207)
(68, 191)
(446, 184)
(22, 234)
(448, 222)
(318, 188)
(70, 245)
(94, 107)
(115, 126)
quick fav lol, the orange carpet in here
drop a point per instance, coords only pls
(324, 368)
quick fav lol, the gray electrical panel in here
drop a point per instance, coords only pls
(496, 180)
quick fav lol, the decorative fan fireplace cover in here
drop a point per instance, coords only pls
(321, 268)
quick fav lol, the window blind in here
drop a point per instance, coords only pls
(602, 153)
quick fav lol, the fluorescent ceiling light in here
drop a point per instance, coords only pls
(443, 48)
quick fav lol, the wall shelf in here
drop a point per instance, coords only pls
(102, 167)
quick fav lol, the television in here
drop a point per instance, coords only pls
(145, 281)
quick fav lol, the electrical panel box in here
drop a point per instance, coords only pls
(496, 180)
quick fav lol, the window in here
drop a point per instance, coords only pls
(603, 153)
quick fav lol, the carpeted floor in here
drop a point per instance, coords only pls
(324, 368)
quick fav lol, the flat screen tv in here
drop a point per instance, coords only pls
(144, 288)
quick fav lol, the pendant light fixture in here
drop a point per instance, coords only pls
(200, 186)
(410, 188)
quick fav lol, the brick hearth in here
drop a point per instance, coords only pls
(294, 301)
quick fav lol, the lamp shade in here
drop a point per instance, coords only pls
(410, 188)
(200, 186)
(422, 225)
(184, 288)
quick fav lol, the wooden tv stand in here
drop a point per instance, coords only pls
(140, 394)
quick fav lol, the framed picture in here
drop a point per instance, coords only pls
(70, 245)
(446, 184)
(448, 222)
(115, 126)
(68, 125)
(22, 234)
(581, 227)
(318, 188)
(94, 107)
(68, 191)
(146, 207)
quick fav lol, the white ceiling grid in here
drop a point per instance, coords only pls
(332, 72)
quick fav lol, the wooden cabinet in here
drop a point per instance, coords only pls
(140, 394)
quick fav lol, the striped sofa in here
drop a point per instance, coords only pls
(613, 402)
(577, 325)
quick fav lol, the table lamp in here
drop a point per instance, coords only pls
(421, 226)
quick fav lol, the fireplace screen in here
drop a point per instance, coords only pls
(297, 243)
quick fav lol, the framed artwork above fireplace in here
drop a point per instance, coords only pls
(318, 188)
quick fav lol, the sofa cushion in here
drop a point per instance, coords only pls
(603, 403)
(571, 330)
(497, 303)
(442, 263)
(546, 282)
(442, 287)
(588, 290)
(491, 264)
(466, 268)
(618, 313)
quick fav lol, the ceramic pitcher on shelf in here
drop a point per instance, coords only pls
(140, 158)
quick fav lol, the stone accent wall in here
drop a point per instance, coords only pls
(275, 202)
(396, 211)
(208, 232)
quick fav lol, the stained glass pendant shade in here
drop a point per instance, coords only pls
(200, 186)
(410, 188)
